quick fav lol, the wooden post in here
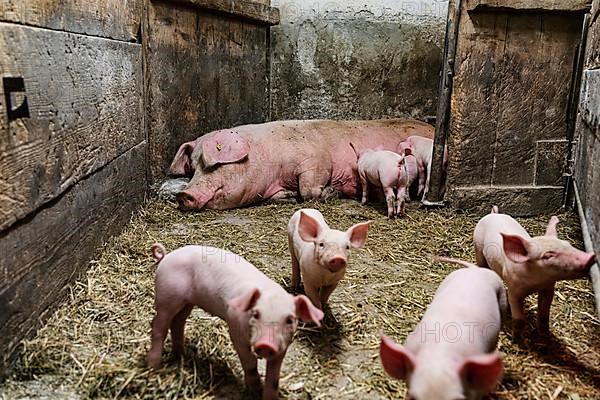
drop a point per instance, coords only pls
(573, 105)
(436, 182)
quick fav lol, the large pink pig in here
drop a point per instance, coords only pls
(451, 355)
(262, 317)
(527, 265)
(247, 164)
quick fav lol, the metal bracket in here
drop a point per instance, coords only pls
(13, 85)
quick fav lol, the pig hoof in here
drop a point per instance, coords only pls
(543, 328)
(153, 362)
(518, 331)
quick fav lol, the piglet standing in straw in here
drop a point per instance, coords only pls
(451, 354)
(528, 264)
(262, 317)
(388, 170)
(320, 254)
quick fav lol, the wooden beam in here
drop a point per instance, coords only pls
(530, 5)
(85, 105)
(115, 19)
(513, 200)
(43, 254)
(249, 10)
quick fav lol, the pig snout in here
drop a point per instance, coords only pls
(189, 201)
(265, 349)
(337, 263)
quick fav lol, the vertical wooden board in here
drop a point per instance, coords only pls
(514, 150)
(43, 254)
(206, 71)
(474, 99)
(116, 19)
(550, 162)
(84, 97)
(560, 37)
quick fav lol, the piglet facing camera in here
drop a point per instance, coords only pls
(320, 255)
(451, 354)
(262, 317)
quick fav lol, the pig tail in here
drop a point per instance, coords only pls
(158, 251)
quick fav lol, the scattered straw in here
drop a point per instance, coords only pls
(94, 345)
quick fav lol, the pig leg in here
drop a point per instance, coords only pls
(517, 309)
(312, 181)
(390, 199)
(421, 172)
(284, 196)
(545, 297)
(295, 265)
(428, 176)
(326, 292)
(160, 326)
(313, 294)
(247, 359)
(365, 188)
(177, 328)
(400, 199)
(271, 389)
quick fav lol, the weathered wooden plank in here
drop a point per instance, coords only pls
(205, 72)
(251, 10)
(592, 58)
(530, 5)
(517, 75)
(46, 252)
(84, 97)
(550, 162)
(589, 99)
(475, 99)
(116, 19)
(516, 201)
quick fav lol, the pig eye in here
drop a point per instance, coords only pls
(255, 314)
(290, 320)
(347, 247)
(321, 244)
(548, 255)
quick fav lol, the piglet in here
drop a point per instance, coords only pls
(320, 254)
(527, 265)
(388, 170)
(262, 317)
(451, 354)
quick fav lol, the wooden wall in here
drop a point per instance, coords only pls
(112, 87)
(587, 135)
(508, 137)
(73, 171)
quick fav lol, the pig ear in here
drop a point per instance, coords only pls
(358, 234)
(224, 147)
(246, 301)
(482, 372)
(182, 163)
(309, 228)
(551, 228)
(306, 311)
(397, 361)
(515, 248)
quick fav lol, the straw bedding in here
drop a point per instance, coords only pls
(94, 345)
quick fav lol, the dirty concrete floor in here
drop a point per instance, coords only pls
(94, 346)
